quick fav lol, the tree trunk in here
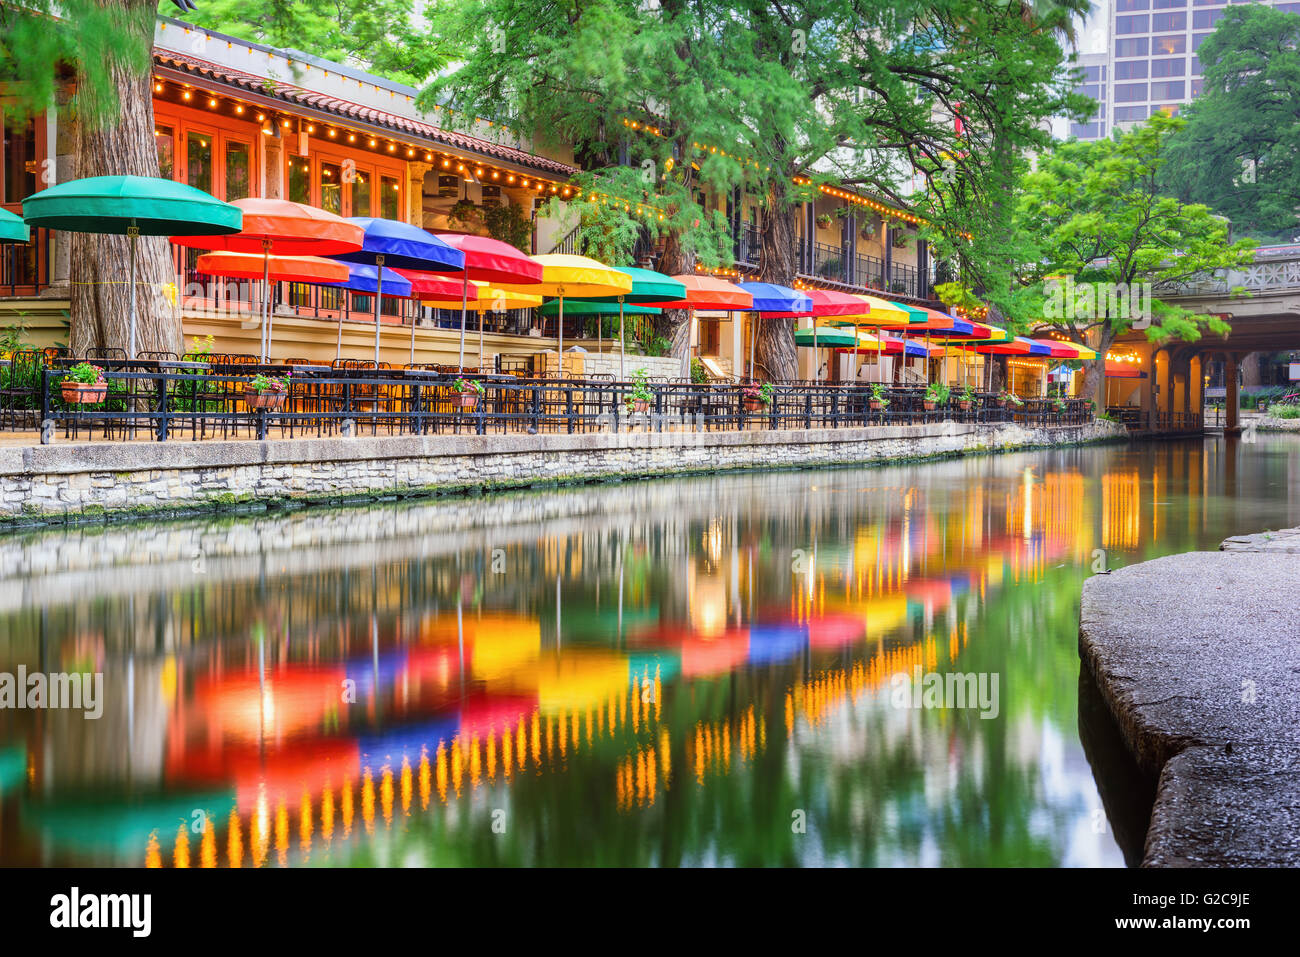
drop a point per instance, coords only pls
(775, 353)
(1094, 371)
(672, 324)
(122, 144)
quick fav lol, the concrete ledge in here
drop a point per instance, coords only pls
(120, 456)
(1197, 657)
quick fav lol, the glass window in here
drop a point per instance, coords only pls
(1085, 131)
(1168, 67)
(299, 180)
(361, 193)
(1195, 86)
(1128, 6)
(1130, 114)
(164, 138)
(1091, 90)
(1162, 22)
(19, 161)
(1134, 46)
(389, 195)
(1195, 69)
(1130, 92)
(331, 188)
(1136, 24)
(198, 161)
(1091, 74)
(1198, 39)
(1204, 19)
(1208, 3)
(238, 182)
(1131, 70)
(1169, 4)
(1168, 90)
(1161, 46)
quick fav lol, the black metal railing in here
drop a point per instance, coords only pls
(173, 400)
(25, 267)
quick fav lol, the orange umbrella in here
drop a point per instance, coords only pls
(284, 228)
(706, 292)
(278, 268)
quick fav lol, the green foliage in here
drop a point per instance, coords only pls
(878, 394)
(85, 373)
(39, 39)
(938, 392)
(14, 336)
(469, 385)
(261, 383)
(386, 37)
(1284, 410)
(653, 344)
(508, 224)
(640, 391)
(1240, 151)
(763, 393)
(699, 374)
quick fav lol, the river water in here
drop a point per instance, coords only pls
(720, 670)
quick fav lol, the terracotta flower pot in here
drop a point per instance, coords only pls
(876, 405)
(635, 406)
(929, 404)
(964, 405)
(271, 401)
(754, 403)
(84, 393)
(466, 400)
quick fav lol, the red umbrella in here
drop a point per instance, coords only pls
(491, 261)
(706, 292)
(284, 228)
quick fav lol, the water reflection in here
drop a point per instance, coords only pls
(674, 673)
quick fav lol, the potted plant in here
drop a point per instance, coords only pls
(468, 392)
(266, 392)
(758, 397)
(878, 402)
(1008, 398)
(936, 394)
(84, 385)
(1059, 403)
(824, 220)
(867, 231)
(639, 398)
(966, 398)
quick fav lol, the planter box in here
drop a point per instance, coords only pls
(754, 404)
(877, 405)
(637, 406)
(466, 400)
(964, 406)
(82, 393)
(929, 404)
(270, 401)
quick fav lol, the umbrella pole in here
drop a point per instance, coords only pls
(379, 291)
(480, 339)
(622, 365)
(464, 308)
(753, 339)
(817, 359)
(132, 234)
(338, 349)
(559, 336)
(266, 304)
(690, 336)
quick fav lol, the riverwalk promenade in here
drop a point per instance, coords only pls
(1197, 657)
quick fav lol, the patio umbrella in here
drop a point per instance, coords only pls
(132, 206)
(598, 308)
(489, 260)
(310, 269)
(496, 299)
(648, 287)
(374, 281)
(277, 226)
(705, 292)
(1066, 350)
(388, 242)
(573, 277)
(438, 291)
(771, 298)
(12, 228)
(827, 303)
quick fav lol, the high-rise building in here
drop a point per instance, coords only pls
(1139, 56)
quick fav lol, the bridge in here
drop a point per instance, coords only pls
(1167, 394)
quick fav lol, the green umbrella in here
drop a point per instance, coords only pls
(131, 206)
(823, 338)
(12, 228)
(590, 307)
(647, 286)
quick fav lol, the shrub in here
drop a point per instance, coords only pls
(1280, 410)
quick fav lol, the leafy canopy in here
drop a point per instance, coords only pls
(1240, 151)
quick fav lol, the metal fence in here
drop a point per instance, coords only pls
(214, 402)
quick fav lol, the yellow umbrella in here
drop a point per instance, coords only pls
(499, 300)
(883, 312)
(573, 277)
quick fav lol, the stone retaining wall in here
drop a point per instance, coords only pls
(57, 481)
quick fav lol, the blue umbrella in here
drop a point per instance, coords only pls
(371, 281)
(388, 242)
(769, 297)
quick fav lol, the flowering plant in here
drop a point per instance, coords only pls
(262, 383)
(468, 385)
(763, 393)
(86, 374)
